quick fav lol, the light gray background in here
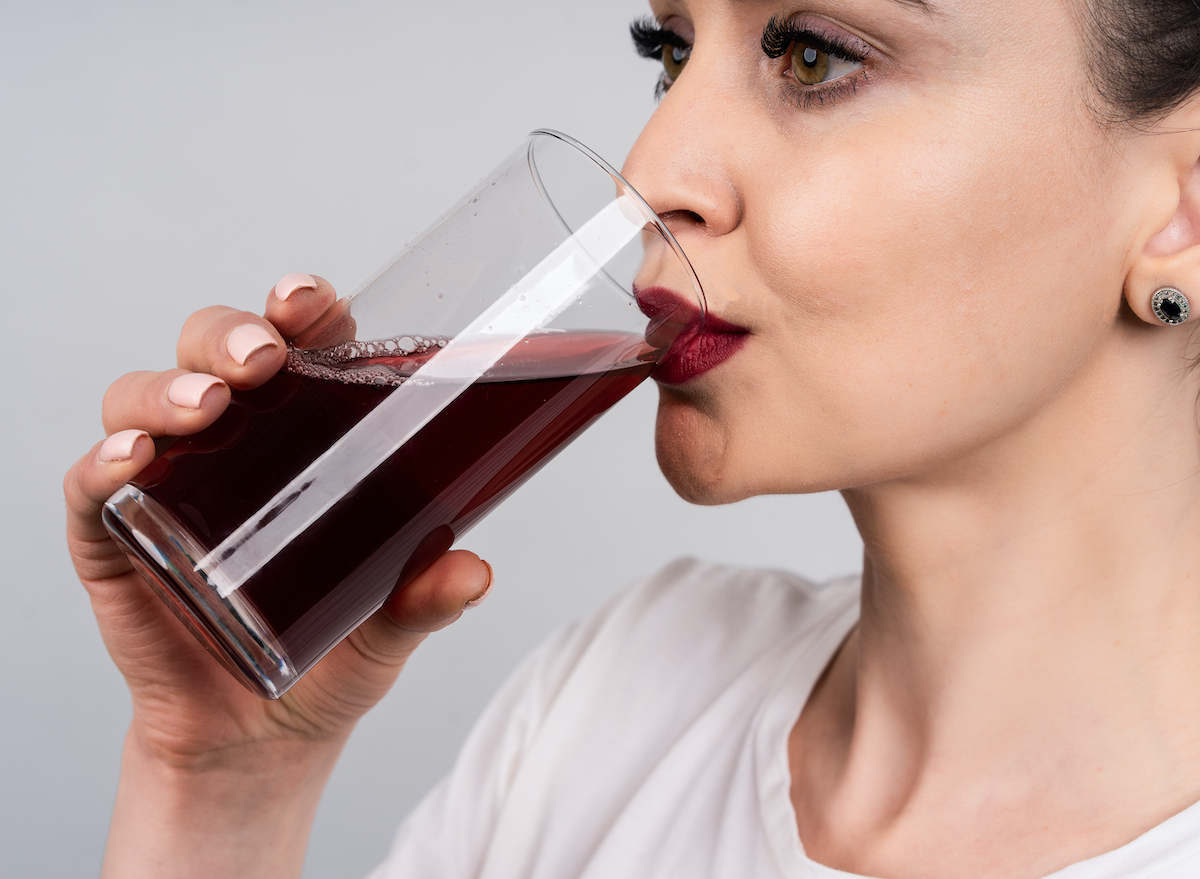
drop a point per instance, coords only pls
(159, 157)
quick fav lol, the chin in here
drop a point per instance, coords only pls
(692, 451)
(710, 458)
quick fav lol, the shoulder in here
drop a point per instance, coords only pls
(734, 593)
(677, 665)
(693, 627)
(690, 629)
(690, 603)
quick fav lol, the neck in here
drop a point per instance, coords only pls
(1030, 628)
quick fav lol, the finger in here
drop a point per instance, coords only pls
(336, 325)
(271, 397)
(438, 596)
(171, 403)
(91, 481)
(297, 301)
(360, 670)
(241, 348)
(225, 433)
(433, 600)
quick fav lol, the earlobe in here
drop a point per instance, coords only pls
(1170, 306)
(1167, 271)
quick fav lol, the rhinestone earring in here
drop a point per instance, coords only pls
(1170, 306)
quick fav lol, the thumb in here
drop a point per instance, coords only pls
(438, 595)
(358, 672)
(431, 600)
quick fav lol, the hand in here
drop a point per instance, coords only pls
(189, 713)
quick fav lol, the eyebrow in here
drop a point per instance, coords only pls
(922, 5)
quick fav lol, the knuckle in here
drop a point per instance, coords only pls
(97, 560)
(380, 645)
(70, 484)
(118, 389)
(136, 400)
(206, 316)
(80, 496)
(197, 339)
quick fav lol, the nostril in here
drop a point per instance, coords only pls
(680, 219)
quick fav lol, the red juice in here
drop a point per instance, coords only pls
(401, 517)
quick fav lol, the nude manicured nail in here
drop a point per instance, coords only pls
(119, 446)
(247, 339)
(289, 284)
(478, 599)
(188, 390)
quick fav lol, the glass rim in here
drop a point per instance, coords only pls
(636, 197)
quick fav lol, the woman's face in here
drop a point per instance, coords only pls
(910, 211)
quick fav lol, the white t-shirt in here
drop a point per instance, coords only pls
(651, 742)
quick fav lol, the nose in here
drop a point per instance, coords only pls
(682, 160)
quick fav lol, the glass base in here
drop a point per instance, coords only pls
(166, 553)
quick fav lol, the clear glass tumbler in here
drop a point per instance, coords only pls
(411, 410)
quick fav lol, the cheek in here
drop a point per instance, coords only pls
(919, 296)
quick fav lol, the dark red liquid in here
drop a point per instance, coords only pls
(484, 444)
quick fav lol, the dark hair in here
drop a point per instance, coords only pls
(1144, 56)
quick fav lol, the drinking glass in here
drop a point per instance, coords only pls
(409, 411)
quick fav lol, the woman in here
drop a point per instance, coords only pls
(956, 238)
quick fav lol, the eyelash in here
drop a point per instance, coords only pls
(780, 35)
(649, 40)
(777, 38)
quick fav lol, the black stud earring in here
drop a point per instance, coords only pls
(1170, 306)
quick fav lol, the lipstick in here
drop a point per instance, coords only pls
(695, 343)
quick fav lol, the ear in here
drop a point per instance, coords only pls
(1171, 255)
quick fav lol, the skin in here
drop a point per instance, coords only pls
(945, 273)
(214, 780)
(946, 278)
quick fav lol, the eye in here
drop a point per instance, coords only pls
(674, 59)
(818, 54)
(809, 63)
(663, 44)
(814, 65)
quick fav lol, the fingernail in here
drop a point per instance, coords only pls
(247, 339)
(478, 599)
(188, 390)
(119, 446)
(289, 284)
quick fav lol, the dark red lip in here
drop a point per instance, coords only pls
(695, 343)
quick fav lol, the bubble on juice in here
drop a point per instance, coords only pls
(378, 363)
